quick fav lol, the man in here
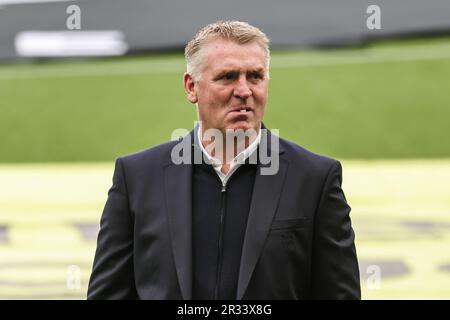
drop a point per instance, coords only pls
(221, 228)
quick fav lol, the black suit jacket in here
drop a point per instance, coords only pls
(299, 243)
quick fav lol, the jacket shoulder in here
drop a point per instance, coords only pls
(156, 155)
(302, 157)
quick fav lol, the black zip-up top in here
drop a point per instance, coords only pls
(219, 221)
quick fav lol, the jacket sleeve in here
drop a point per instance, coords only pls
(112, 274)
(334, 269)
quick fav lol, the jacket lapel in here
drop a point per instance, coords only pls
(178, 186)
(266, 194)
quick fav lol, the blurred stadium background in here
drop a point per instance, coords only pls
(73, 101)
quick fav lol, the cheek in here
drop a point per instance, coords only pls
(223, 95)
(212, 105)
(214, 97)
(261, 95)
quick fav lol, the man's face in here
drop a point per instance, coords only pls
(232, 90)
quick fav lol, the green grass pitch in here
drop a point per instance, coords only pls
(384, 101)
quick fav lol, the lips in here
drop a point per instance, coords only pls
(241, 110)
(239, 115)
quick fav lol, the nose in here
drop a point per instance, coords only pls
(242, 90)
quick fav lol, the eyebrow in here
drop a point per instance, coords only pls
(234, 71)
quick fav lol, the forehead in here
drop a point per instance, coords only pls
(223, 54)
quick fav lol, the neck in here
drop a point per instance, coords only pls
(229, 144)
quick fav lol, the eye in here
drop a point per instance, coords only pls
(256, 75)
(229, 76)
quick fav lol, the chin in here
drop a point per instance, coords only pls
(240, 126)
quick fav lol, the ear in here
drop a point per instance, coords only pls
(189, 86)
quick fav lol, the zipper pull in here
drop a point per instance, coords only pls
(224, 188)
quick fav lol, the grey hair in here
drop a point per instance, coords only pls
(238, 31)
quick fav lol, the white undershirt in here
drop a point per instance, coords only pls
(235, 163)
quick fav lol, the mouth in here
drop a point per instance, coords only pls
(241, 110)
